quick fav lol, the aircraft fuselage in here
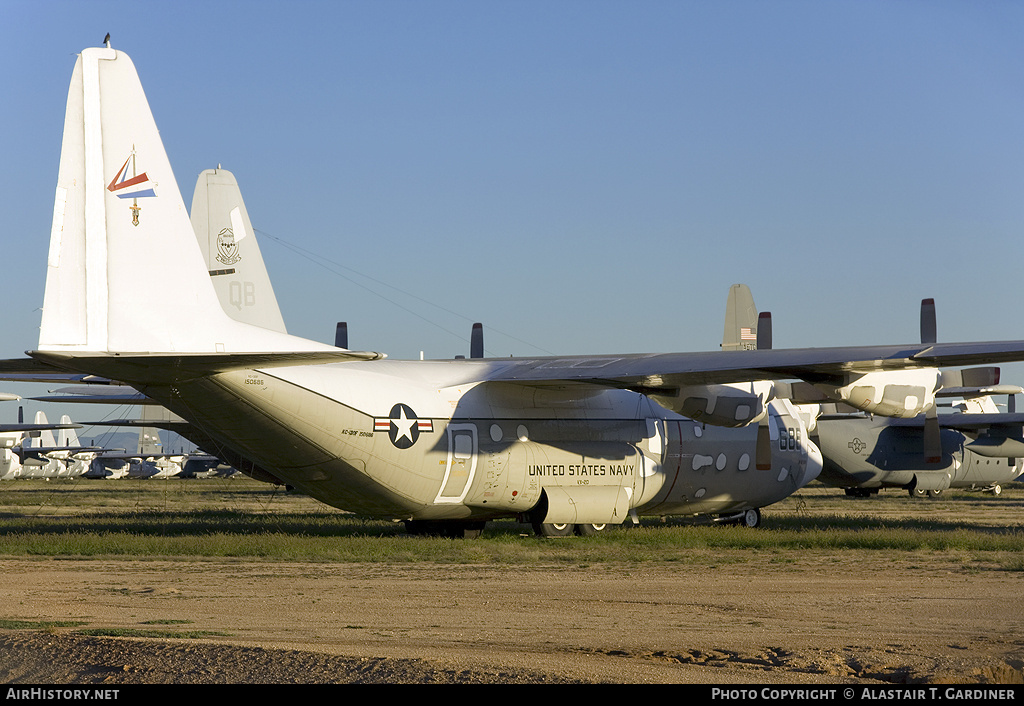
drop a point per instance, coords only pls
(424, 440)
(868, 452)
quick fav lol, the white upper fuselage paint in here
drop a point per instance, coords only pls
(440, 390)
(543, 436)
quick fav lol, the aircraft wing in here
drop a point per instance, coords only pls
(670, 378)
(969, 421)
(671, 370)
(640, 372)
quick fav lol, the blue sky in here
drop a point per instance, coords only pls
(578, 176)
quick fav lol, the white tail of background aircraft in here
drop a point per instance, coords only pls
(66, 437)
(39, 465)
(44, 438)
(76, 464)
(231, 251)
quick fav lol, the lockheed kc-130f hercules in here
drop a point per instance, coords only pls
(572, 440)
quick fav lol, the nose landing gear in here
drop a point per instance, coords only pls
(747, 518)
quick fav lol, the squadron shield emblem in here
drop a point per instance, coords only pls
(402, 426)
(227, 247)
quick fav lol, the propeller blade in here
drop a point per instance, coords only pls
(764, 331)
(763, 450)
(928, 330)
(341, 335)
(932, 437)
(476, 342)
(1018, 432)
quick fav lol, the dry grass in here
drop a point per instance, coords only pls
(217, 518)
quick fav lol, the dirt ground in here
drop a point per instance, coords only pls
(822, 618)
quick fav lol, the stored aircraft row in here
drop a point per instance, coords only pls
(566, 441)
(30, 450)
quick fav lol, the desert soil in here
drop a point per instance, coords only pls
(722, 618)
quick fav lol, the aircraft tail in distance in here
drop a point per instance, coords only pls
(231, 251)
(67, 436)
(44, 437)
(740, 320)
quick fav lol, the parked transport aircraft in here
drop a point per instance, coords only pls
(976, 447)
(562, 441)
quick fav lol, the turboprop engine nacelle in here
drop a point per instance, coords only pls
(730, 405)
(889, 393)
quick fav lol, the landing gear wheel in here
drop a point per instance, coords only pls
(997, 489)
(934, 493)
(590, 530)
(544, 529)
(917, 493)
(751, 518)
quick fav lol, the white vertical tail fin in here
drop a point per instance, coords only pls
(740, 320)
(149, 442)
(149, 437)
(67, 437)
(232, 254)
(124, 272)
(45, 438)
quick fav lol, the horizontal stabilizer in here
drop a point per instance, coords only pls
(165, 368)
(36, 427)
(178, 426)
(80, 395)
(31, 370)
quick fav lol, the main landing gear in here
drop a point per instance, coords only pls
(543, 529)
